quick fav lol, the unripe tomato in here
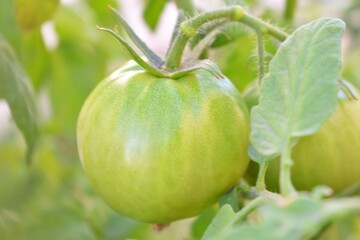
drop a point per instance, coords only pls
(159, 149)
(330, 156)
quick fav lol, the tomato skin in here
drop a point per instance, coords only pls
(159, 149)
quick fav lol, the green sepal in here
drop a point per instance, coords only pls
(202, 64)
(153, 58)
(205, 64)
(149, 67)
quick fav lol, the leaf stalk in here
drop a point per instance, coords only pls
(286, 186)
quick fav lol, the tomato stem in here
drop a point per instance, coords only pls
(190, 27)
(290, 8)
(260, 49)
(286, 186)
(260, 182)
(176, 50)
(253, 205)
(264, 27)
(187, 6)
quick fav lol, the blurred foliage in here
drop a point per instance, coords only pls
(18, 92)
(299, 218)
(52, 199)
(152, 12)
(30, 14)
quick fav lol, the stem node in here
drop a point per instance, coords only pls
(187, 29)
(238, 13)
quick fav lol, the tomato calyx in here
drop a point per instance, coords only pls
(154, 64)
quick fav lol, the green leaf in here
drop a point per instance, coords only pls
(219, 223)
(230, 198)
(17, 91)
(31, 14)
(101, 10)
(8, 27)
(153, 11)
(257, 157)
(119, 227)
(76, 65)
(34, 57)
(75, 72)
(202, 221)
(301, 218)
(299, 93)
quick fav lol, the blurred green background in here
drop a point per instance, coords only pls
(65, 56)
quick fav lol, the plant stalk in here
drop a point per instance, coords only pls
(286, 187)
(290, 7)
(260, 182)
(190, 27)
(264, 27)
(254, 204)
(261, 50)
(187, 6)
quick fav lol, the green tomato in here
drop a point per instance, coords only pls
(159, 149)
(329, 157)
